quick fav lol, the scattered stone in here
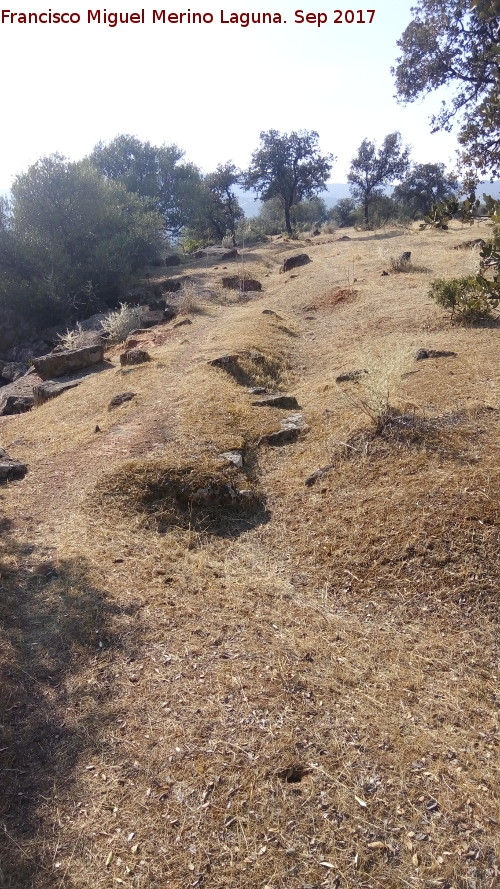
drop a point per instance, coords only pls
(10, 469)
(244, 284)
(293, 261)
(15, 404)
(171, 286)
(183, 322)
(12, 370)
(174, 259)
(467, 245)
(257, 390)
(234, 457)
(422, 354)
(131, 343)
(289, 431)
(134, 356)
(384, 274)
(226, 362)
(316, 232)
(97, 429)
(169, 313)
(282, 401)
(404, 259)
(117, 400)
(313, 478)
(50, 389)
(350, 377)
(344, 238)
(270, 312)
(58, 363)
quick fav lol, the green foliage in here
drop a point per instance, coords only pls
(172, 188)
(453, 43)
(344, 213)
(71, 239)
(441, 214)
(424, 186)
(465, 297)
(288, 166)
(371, 169)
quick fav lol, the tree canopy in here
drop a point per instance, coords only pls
(288, 166)
(454, 42)
(371, 169)
(425, 185)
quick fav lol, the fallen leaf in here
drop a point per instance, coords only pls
(361, 802)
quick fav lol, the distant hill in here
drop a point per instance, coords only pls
(337, 190)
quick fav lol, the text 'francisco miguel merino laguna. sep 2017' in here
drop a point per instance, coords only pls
(186, 17)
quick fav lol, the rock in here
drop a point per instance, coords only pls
(10, 469)
(316, 232)
(282, 401)
(117, 400)
(43, 392)
(183, 322)
(422, 354)
(350, 377)
(134, 356)
(234, 457)
(227, 361)
(294, 421)
(231, 254)
(405, 258)
(94, 323)
(174, 259)
(257, 390)
(270, 312)
(468, 245)
(344, 238)
(283, 436)
(171, 286)
(15, 404)
(384, 274)
(131, 343)
(152, 319)
(12, 370)
(319, 473)
(169, 313)
(292, 262)
(57, 364)
(241, 283)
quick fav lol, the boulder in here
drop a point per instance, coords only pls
(10, 469)
(282, 401)
(292, 262)
(117, 400)
(134, 356)
(171, 286)
(237, 282)
(13, 370)
(15, 404)
(43, 392)
(422, 354)
(231, 254)
(172, 260)
(56, 364)
(169, 313)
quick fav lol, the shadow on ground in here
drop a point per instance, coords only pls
(54, 625)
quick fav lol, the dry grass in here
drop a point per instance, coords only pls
(299, 694)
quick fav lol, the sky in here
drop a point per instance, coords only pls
(210, 88)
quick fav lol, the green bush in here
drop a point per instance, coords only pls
(465, 297)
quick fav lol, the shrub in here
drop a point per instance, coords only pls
(466, 297)
(119, 324)
(78, 338)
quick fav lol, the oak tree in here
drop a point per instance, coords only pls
(371, 169)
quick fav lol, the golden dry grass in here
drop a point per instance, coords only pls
(303, 695)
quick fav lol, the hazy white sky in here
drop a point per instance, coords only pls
(210, 88)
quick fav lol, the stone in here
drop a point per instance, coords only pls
(289, 431)
(12, 370)
(11, 469)
(43, 392)
(344, 238)
(384, 274)
(134, 356)
(172, 260)
(281, 401)
(257, 390)
(15, 404)
(469, 245)
(236, 282)
(183, 322)
(171, 286)
(227, 361)
(58, 363)
(234, 457)
(292, 262)
(403, 259)
(169, 312)
(270, 312)
(121, 398)
(319, 473)
(316, 232)
(422, 354)
(352, 376)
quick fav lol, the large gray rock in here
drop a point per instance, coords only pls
(13, 370)
(59, 363)
(283, 401)
(292, 262)
(50, 389)
(10, 469)
(15, 404)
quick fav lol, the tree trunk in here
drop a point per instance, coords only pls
(287, 219)
(367, 205)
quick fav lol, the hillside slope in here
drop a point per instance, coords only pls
(225, 676)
